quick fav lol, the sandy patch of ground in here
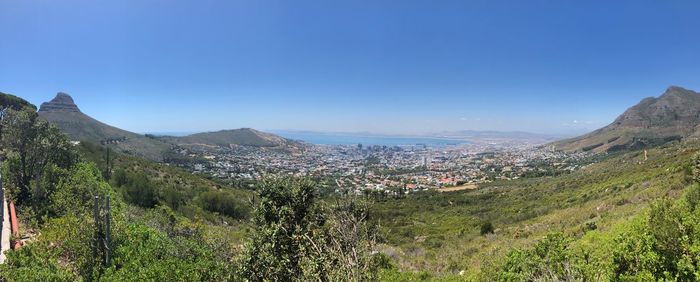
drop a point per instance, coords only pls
(459, 188)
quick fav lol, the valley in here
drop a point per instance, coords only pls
(359, 141)
(443, 211)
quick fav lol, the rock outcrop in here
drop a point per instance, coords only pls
(675, 115)
(61, 103)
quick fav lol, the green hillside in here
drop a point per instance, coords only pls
(596, 223)
(62, 112)
(165, 224)
(441, 232)
(148, 184)
(235, 137)
(14, 102)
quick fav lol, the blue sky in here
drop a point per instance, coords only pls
(378, 66)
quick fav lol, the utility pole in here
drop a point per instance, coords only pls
(102, 241)
(96, 217)
(108, 235)
(108, 169)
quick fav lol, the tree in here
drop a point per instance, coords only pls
(11, 102)
(37, 153)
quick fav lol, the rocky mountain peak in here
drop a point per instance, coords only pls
(672, 116)
(675, 92)
(61, 103)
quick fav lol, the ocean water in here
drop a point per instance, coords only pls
(353, 139)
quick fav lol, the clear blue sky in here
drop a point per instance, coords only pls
(379, 66)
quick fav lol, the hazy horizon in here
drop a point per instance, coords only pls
(283, 132)
(545, 67)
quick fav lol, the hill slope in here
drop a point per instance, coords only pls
(65, 114)
(440, 232)
(672, 116)
(236, 137)
(10, 101)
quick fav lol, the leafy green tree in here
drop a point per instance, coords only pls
(10, 102)
(37, 154)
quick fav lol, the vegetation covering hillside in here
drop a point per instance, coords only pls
(65, 114)
(54, 185)
(165, 224)
(62, 112)
(235, 137)
(629, 216)
(13, 102)
(480, 233)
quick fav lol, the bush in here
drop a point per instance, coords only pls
(550, 259)
(486, 228)
(223, 203)
(297, 238)
(136, 188)
(75, 194)
(666, 246)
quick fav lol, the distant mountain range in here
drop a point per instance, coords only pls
(675, 115)
(490, 134)
(438, 139)
(64, 113)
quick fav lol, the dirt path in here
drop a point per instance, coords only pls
(459, 188)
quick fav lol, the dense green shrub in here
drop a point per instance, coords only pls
(224, 203)
(136, 188)
(284, 220)
(665, 246)
(144, 254)
(75, 193)
(486, 228)
(551, 259)
(298, 238)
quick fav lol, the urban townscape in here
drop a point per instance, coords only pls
(388, 169)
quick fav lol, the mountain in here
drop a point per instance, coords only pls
(674, 115)
(64, 113)
(236, 137)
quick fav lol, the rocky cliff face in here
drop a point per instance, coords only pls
(672, 116)
(676, 107)
(61, 103)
